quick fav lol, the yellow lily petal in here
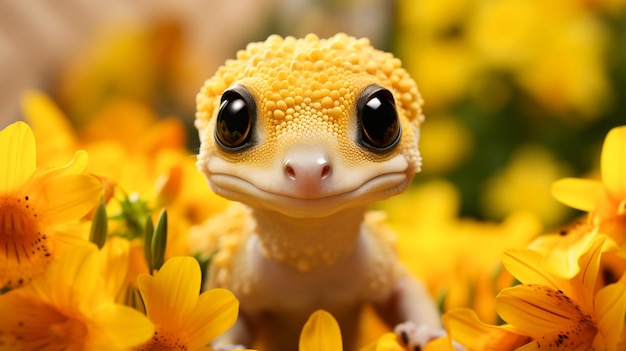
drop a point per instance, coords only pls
(581, 194)
(545, 315)
(585, 281)
(173, 292)
(613, 162)
(120, 327)
(610, 306)
(71, 196)
(321, 333)
(75, 268)
(17, 156)
(215, 313)
(114, 261)
(42, 174)
(464, 327)
(526, 266)
(561, 254)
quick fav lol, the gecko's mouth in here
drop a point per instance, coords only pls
(297, 204)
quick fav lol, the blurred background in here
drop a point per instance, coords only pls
(518, 94)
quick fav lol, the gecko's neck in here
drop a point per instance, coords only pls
(307, 243)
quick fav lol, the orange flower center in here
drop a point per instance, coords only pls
(24, 248)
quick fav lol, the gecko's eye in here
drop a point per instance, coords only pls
(378, 120)
(233, 128)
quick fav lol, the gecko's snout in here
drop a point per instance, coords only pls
(306, 170)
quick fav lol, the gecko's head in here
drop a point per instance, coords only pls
(309, 127)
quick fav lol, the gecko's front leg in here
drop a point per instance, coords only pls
(412, 313)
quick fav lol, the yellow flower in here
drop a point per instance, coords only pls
(183, 319)
(33, 201)
(68, 309)
(557, 311)
(606, 199)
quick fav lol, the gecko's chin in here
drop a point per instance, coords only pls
(296, 203)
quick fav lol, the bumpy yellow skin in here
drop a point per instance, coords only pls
(308, 85)
(305, 240)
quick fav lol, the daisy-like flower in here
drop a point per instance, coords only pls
(68, 308)
(184, 320)
(560, 312)
(33, 201)
(606, 199)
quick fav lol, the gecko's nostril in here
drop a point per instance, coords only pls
(326, 171)
(291, 173)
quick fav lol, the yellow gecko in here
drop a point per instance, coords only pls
(307, 133)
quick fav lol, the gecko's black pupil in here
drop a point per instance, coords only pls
(380, 128)
(234, 119)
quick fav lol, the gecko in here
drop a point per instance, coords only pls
(304, 134)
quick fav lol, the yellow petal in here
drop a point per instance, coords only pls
(581, 194)
(321, 333)
(71, 196)
(17, 156)
(613, 162)
(610, 307)
(584, 282)
(526, 266)
(114, 261)
(76, 165)
(543, 313)
(119, 327)
(464, 327)
(172, 294)
(76, 270)
(215, 313)
(558, 255)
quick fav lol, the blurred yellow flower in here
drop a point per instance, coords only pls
(444, 144)
(569, 76)
(444, 69)
(568, 312)
(463, 255)
(68, 309)
(183, 319)
(523, 186)
(606, 199)
(506, 33)
(33, 200)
